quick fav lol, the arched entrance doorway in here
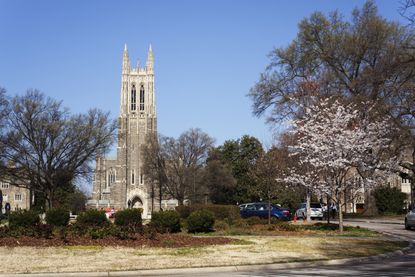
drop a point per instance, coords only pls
(135, 202)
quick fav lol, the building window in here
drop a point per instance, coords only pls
(132, 177)
(111, 177)
(5, 185)
(5, 198)
(141, 178)
(133, 98)
(18, 197)
(405, 181)
(142, 98)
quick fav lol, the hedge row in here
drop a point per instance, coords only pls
(229, 213)
(96, 224)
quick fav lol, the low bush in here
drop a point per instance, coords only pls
(38, 230)
(23, 218)
(166, 221)
(128, 217)
(92, 218)
(97, 232)
(149, 232)
(44, 230)
(57, 217)
(200, 221)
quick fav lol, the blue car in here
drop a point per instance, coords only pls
(261, 210)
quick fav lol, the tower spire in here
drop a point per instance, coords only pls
(150, 59)
(125, 60)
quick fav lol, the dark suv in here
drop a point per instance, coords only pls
(261, 210)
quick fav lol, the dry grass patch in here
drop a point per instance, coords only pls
(250, 250)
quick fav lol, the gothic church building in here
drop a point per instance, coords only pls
(120, 183)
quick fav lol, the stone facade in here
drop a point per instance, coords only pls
(121, 183)
(17, 197)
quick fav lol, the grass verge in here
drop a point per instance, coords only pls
(247, 250)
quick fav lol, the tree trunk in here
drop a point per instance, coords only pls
(328, 209)
(370, 203)
(152, 197)
(340, 213)
(308, 208)
(160, 195)
(50, 200)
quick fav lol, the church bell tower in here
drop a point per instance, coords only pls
(121, 183)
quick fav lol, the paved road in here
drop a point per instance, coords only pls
(395, 266)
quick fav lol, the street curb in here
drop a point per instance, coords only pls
(374, 221)
(235, 268)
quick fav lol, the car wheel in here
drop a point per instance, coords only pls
(320, 218)
(407, 227)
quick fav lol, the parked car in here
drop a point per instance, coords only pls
(316, 211)
(332, 206)
(260, 209)
(243, 206)
(410, 219)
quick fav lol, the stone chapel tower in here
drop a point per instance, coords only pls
(120, 183)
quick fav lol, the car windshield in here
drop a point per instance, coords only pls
(315, 205)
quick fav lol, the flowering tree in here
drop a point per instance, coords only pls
(336, 144)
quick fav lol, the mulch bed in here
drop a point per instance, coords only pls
(160, 240)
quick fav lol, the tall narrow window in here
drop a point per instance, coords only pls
(142, 98)
(132, 177)
(111, 177)
(133, 98)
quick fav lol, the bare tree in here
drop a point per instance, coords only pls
(407, 10)
(155, 166)
(177, 163)
(47, 148)
(268, 171)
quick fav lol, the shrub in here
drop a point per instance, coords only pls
(166, 221)
(43, 230)
(57, 217)
(200, 221)
(23, 218)
(92, 218)
(97, 232)
(389, 199)
(230, 213)
(128, 217)
(149, 232)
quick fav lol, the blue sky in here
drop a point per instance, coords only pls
(208, 54)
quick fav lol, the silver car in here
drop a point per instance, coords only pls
(410, 219)
(316, 211)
